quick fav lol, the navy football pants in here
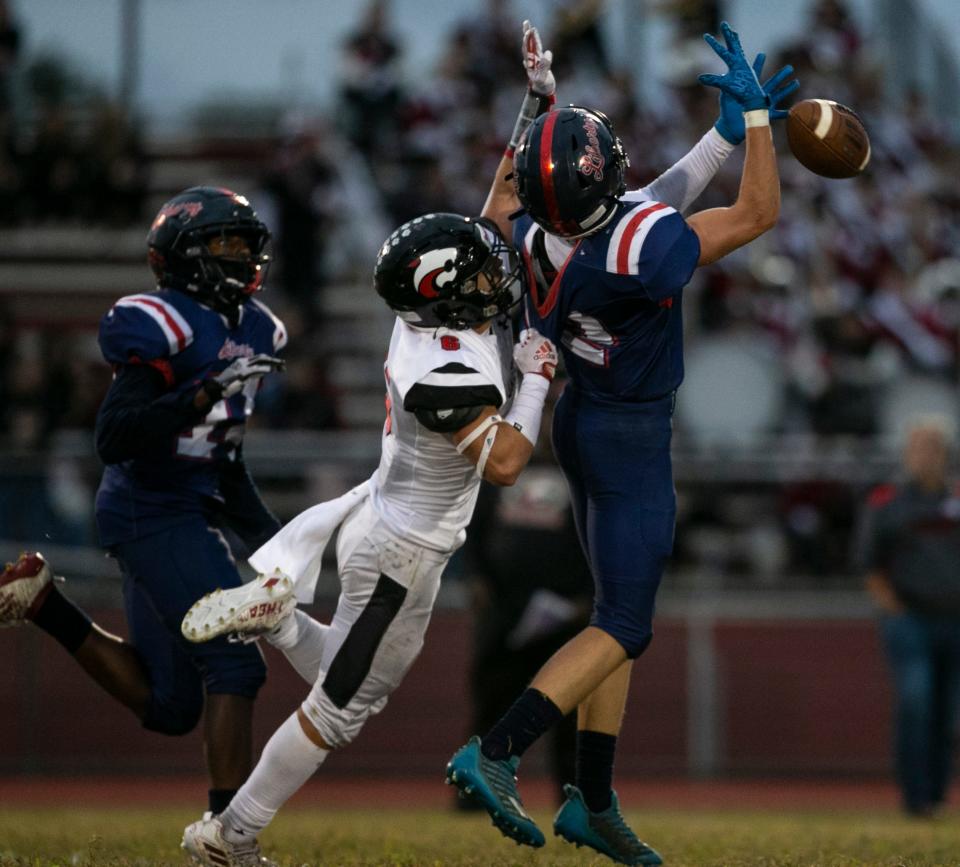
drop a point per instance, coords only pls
(163, 575)
(616, 459)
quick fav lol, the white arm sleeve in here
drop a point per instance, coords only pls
(681, 184)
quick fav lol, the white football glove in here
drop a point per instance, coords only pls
(537, 62)
(230, 381)
(533, 353)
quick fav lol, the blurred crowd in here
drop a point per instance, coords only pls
(850, 304)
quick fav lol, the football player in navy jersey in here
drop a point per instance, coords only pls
(606, 270)
(187, 360)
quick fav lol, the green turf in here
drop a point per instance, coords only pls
(40, 838)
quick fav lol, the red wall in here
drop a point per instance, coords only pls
(793, 697)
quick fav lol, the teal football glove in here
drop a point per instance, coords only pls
(730, 122)
(739, 82)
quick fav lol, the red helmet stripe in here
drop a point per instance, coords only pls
(546, 170)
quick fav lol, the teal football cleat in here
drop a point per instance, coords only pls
(493, 783)
(607, 832)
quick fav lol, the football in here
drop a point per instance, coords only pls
(828, 138)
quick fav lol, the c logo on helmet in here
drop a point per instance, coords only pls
(434, 270)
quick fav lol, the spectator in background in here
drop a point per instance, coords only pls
(114, 168)
(370, 87)
(301, 181)
(910, 550)
(532, 592)
(577, 38)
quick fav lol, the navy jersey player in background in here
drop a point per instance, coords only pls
(606, 271)
(187, 361)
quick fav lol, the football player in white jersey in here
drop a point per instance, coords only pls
(464, 403)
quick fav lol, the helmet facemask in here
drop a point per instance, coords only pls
(209, 243)
(231, 265)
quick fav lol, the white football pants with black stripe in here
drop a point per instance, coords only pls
(387, 590)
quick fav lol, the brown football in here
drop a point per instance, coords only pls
(828, 138)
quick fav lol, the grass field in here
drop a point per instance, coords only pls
(79, 836)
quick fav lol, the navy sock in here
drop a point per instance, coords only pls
(219, 799)
(595, 751)
(528, 718)
(59, 617)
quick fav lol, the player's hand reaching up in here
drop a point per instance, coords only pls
(230, 381)
(534, 353)
(730, 123)
(740, 80)
(537, 62)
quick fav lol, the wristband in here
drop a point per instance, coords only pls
(756, 117)
(527, 409)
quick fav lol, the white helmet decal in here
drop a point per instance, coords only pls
(434, 269)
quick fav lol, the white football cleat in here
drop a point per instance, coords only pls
(247, 611)
(23, 587)
(206, 845)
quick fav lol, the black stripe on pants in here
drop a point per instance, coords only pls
(351, 665)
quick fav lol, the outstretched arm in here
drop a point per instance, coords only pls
(501, 447)
(722, 230)
(681, 185)
(539, 99)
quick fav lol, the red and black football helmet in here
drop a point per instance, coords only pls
(570, 170)
(428, 271)
(179, 251)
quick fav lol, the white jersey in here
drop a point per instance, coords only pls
(423, 490)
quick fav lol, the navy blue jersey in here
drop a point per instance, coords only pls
(185, 342)
(613, 307)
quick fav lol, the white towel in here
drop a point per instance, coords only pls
(297, 550)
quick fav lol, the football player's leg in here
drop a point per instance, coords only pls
(28, 593)
(189, 560)
(376, 634)
(174, 700)
(301, 639)
(630, 526)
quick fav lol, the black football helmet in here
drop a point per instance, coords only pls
(181, 258)
(569, 171)
(428, 271)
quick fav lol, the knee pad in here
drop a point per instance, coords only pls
(177, 713)
(338, 726)
(238, 670)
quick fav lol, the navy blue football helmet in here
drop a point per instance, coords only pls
(569, 171)
(179, 247)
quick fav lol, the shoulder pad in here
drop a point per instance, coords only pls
(279, 331)
(145, 326)
(631, 231)
(451, 386)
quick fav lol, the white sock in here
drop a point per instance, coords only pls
(289, 759)
(301, 638)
